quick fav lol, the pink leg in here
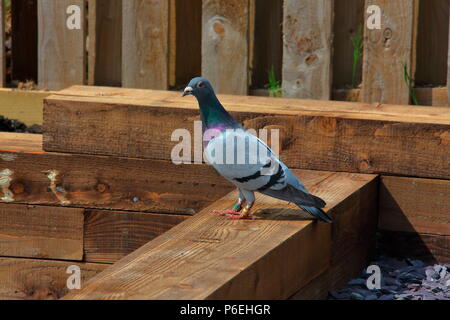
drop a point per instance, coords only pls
(244, 215)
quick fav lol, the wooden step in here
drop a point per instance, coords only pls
(212, 257)
(320, 135)
(33, 176)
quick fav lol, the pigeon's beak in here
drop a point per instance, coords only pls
(187, 91)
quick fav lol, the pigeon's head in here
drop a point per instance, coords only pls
(199, 87)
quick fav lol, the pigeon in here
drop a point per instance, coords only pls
(245, 160)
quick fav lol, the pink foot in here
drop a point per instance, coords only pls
(239, 216)
(225, 212)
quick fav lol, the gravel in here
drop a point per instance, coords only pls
(9, 125)
(406, 279)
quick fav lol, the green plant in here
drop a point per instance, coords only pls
(357, 43)
(7, 4)
(410, 84)
(274, 85)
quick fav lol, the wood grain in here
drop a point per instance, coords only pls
(356, 137)
(2, 48)
(224, 45)
(41, 232)
(145, 44)
(105, 42)
(212, 257)
(111, 235)
(33, 279)
(427, 247)
(61, 52)
(415, 205)
(104, 182)
(307, 50)
(385, 52)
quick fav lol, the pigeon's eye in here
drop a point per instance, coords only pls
(200, 84)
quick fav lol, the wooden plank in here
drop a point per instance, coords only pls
(425, 96)
(386, 50)
(211, 257)
(307, 37)
(2, 48)
(25, 106)
(403, 140)
(61, 52)
(24, 40)
(145, 42)
(415, 205)
(105, 42)
(433, 43)
(104, 182)
(225, 46)
(33, 279)
(428, 247)
(348, 18)
(41, 232)
(111, 235)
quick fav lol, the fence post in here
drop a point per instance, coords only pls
(386, 50)
(225, 45)
(145, 44)
(61, 50)
(307, 48)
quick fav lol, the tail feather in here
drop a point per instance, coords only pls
(318, 213)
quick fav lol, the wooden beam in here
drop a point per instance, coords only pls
(33, 279)
(61, 52)
(41, 232)
(2, 48)
(225, 45)
(212, 257)
(36, 177)
(145, 44)
(105, 42)
(307, 37)
(111, 235)
(386, 50)
(415, 205)
(356, 137)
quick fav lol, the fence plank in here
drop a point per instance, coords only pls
(145, 44)
(61, 52)
(386, 50)
(2, 47)
(225, 45)
(307, 34)
(105, 42)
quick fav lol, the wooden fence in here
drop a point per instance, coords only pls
(161, 44)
